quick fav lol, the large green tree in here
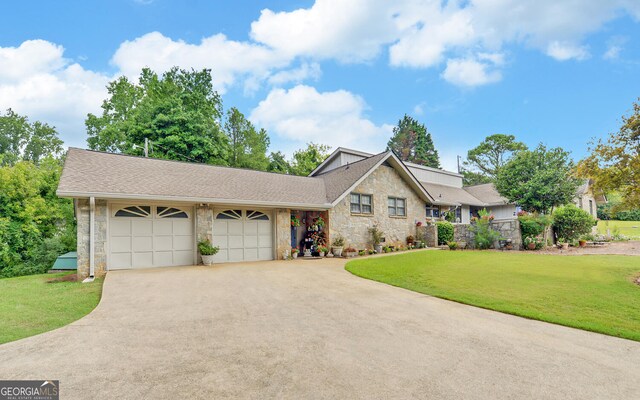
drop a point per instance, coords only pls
(485, 161)
(538, 180)
(248, 146)
(413, 143)
(22, 140)
(278, 163)
(179, 112)
(614, 164)
(306, 160)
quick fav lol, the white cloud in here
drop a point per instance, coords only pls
(302, 114)
(349, 31)
(567, 51)
(470, 72)
(37, 81)
(229, 60)
(304, 72)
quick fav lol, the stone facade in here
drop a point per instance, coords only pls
(283, 232)
(428, 234)
(381, 183)
(204, 225)
(508, 229)
(84, 239)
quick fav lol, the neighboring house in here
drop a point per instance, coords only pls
(445, 187)
(587, 200)
(135, 212)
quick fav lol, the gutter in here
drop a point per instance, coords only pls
(92, 243)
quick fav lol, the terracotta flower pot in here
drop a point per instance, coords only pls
(531, 246)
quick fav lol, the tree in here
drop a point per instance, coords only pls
(614, 165)
(571, 222)
(178, 111)
(21, 140)
(485, 160)
(413, 143)
(538, 180)
(306, 160)
(278, 163)
(248, 147)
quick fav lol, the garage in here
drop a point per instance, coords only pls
(143, 236)
(243, 235)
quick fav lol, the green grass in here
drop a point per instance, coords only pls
(29, 305)
(631, 229)
(595, 293)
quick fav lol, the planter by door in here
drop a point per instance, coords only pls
(337, 251)
(207, 260)
(378, 248)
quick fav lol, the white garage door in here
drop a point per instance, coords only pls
(142, 236)
(243, 235)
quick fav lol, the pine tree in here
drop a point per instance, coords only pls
(413, 143)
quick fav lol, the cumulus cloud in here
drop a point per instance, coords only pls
(37, 81)
(567, 51)
(229, 60)
(304, 72)
(302, 114)
(472, 71)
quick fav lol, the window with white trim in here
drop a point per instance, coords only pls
(134, 211)
(397, 206)
(171, 212)
(361, 203)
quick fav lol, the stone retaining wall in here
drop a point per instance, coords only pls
(508, 229)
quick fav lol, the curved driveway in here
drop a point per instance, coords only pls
(309, 329)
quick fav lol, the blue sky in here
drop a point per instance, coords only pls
(342, 73)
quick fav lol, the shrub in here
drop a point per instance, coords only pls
(571, 222)
(452, 245)
(338, 242)
(376, 235)
(206, 249)
(484, 237)
(445, 232)
(534, 224)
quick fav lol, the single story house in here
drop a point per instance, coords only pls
(136, 212)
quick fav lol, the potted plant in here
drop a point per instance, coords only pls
(563, 244)
(294, 253)
(362, 252)
(351, 251)
(337, 246)
(322, 251)
(452, 245)
(529, 243)
(377, 236)
(295, 221)
(207, 251)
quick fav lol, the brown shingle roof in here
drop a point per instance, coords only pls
(339, 180)
(450, 195)
(487, 193)
(112, 175)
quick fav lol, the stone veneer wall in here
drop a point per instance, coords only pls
(83, 223)
(382, 182)
(204, 225)
(428, 233)
(283, 232)
(508, 229)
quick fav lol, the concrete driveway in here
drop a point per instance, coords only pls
(309, 329)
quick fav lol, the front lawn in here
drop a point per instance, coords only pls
(595, 293)
(630, 229)
(29, 305)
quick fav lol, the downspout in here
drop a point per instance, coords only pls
(92, 245)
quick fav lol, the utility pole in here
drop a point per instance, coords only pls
(146, 148)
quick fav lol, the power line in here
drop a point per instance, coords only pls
(151, 144)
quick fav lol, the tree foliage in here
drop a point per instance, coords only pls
(445, 232)
(614, 164)
(22, 140)
(484, 236)
(413, 143)
(538, 180)
(485, 161)
(178, 111)
(306, 160)
(278, 163)
(571, 222)
(35, 225)
(248, 147)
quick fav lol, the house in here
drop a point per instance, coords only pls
(135, 212)
(446, 188)
(587, 200)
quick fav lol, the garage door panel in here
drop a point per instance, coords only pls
(120, 227)
(222, 256)
(142, 259)
(265, 241)
(142, 243)
(264, 228)
(220, 241)
(120, 261)
(163, 258)
(234, 228)
(250, 228)
(265, 253)
(142, 227)
(251, 254)
(120, 244)
(219, 227)
(235, 242)
(182, 242)
(162, 227)
(251, 241)
(182, 227)
(163, 242)
(183, 257)
(236, 254)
